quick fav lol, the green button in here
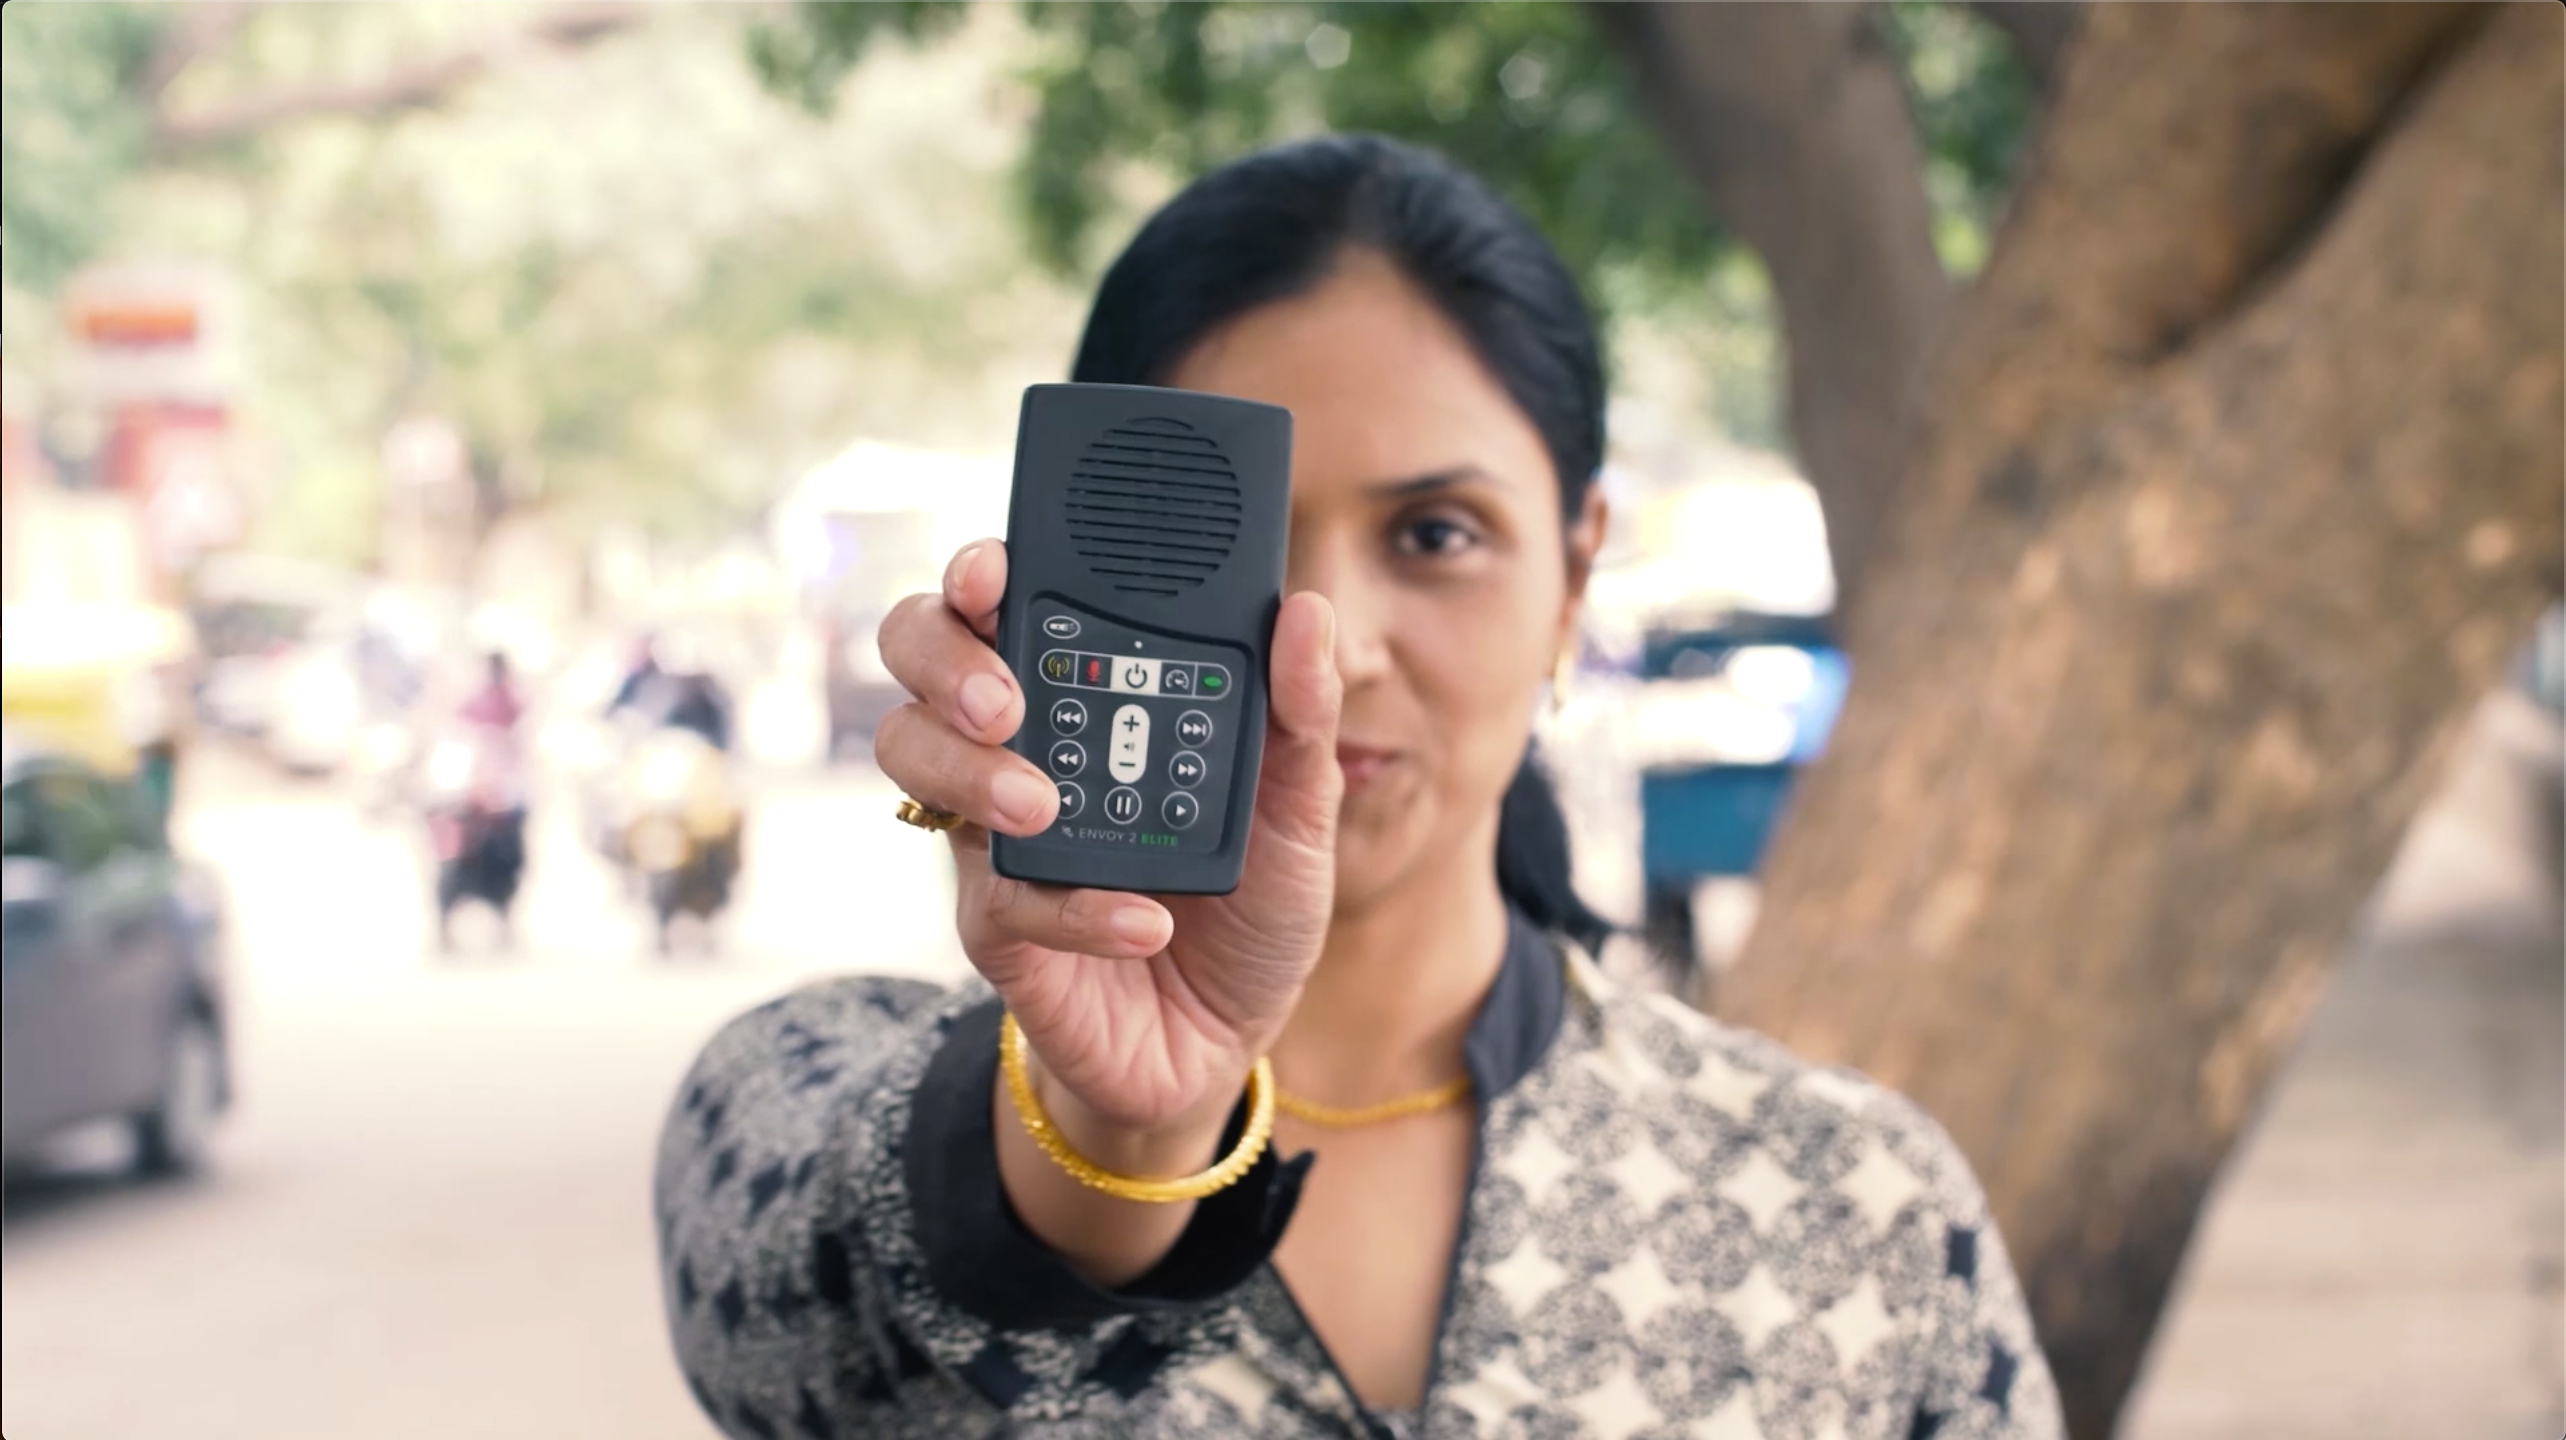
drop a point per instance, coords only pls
(1211, 682)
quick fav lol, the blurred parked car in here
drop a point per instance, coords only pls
(112, 952)
(2541, 671)
(317, 704)
(254, 614)
(1730, 711)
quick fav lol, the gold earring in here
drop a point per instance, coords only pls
(1559, 673)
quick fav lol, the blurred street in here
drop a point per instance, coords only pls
(428, 1216)
(464, 455)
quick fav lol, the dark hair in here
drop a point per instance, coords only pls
(1273, 225)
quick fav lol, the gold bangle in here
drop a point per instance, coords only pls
(1048, 1139)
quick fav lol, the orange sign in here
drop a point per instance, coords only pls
(122, 322)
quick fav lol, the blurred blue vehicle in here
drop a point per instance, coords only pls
(1730, 711)
(111, 980)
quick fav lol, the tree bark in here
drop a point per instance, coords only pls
(2243, 481)
(411, 87)
(1793, 121)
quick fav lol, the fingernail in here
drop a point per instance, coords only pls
(1135, 925)
(960, 570)
(1019, 796)
(983, 699)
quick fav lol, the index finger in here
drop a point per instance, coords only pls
(974, 584)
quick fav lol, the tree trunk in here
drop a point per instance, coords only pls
(2243, 482)
(1793, 121)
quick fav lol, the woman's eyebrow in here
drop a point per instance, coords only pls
(1430, 483)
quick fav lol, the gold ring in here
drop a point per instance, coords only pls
(926, 817)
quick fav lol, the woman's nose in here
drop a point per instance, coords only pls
(1362, 634)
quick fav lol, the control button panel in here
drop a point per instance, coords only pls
(1134, 674)
(1147, 709)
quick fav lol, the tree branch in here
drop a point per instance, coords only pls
(2040, 30)
(208, 25)
(1793, 121)
(425, 83)
(2252, 150)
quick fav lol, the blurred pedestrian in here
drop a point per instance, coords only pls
(495, 704)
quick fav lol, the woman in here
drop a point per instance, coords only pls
(1503, 1198)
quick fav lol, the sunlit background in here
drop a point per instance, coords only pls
(347, 344)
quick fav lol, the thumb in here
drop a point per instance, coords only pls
(1300, 785)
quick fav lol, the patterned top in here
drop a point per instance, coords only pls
(1673, 1229)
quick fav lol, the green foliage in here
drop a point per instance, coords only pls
(631, 321)
(1973, 101)
(662, 322)
(1526, 94)
(805, 61)
(70, 130)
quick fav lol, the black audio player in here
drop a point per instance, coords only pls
(1145, 538)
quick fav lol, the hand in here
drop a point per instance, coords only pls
(1148, 1015)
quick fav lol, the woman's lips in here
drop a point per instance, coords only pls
(1363, 764)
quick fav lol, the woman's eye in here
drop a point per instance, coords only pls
(1434, 535)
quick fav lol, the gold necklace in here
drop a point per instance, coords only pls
(1330, 1117)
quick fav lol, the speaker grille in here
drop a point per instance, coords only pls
(1153, 507)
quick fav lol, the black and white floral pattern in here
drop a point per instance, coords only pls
(1677, 1230)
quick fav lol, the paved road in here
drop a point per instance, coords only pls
(2383, 1256)
(429, 1217)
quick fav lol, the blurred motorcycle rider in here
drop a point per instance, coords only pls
(683, 694)
(670, 687)
(701, 705)
(640, 678)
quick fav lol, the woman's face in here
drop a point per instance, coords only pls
(1425, 507)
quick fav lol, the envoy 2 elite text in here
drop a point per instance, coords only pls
(1144, 569)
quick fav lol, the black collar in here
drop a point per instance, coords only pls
(1522, 1013)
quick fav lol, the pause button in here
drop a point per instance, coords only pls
(1122, 805)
